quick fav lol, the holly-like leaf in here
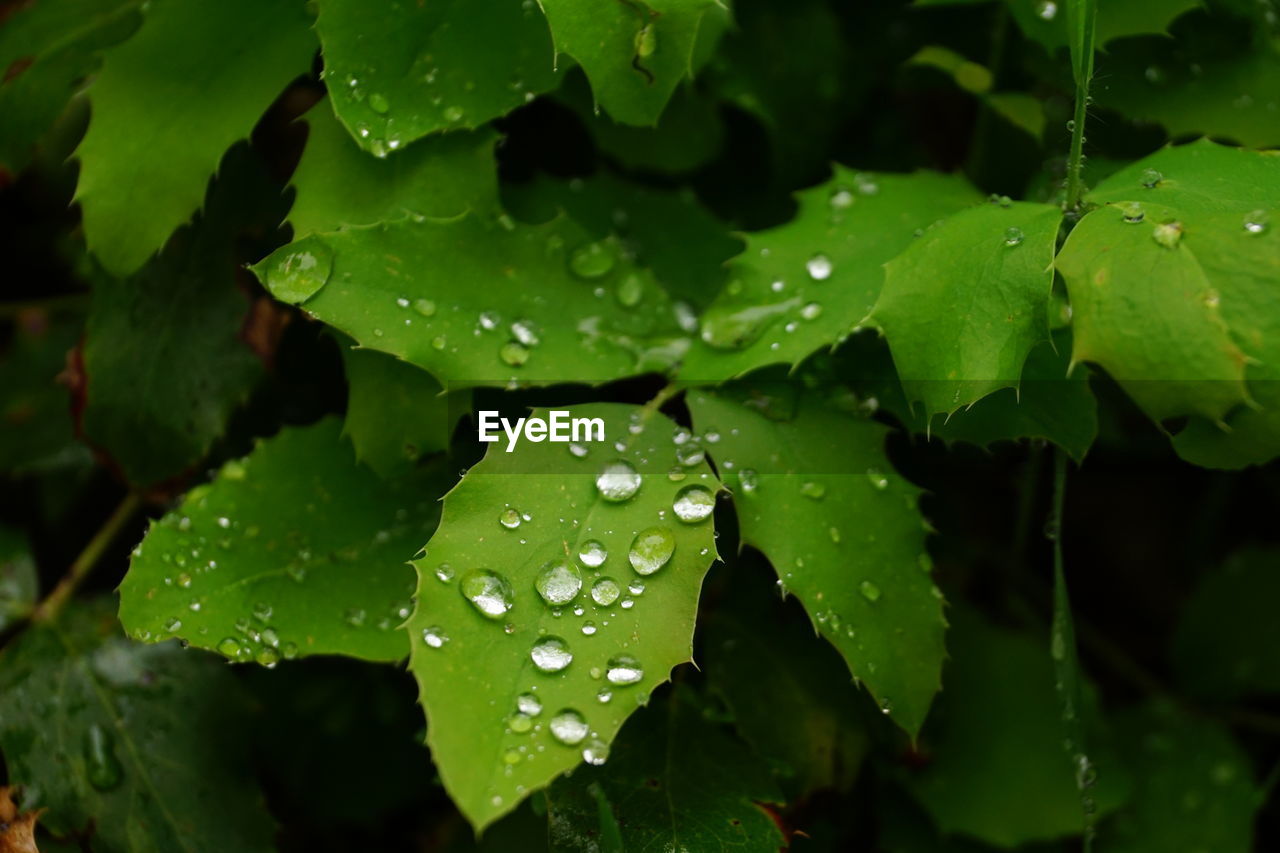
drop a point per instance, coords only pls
(1172, 288)
(1193, 763)
(668, 232)
(296, 549)
(338, 185)
(815, 493)
(1222, 646)
(46, 50)
(35, 411)
(674, 781)
(396, 413)
(996, 767)
(634, 53)
(18, 583)
(398, 71)
(964, 305)
(551, 604)
(157, 402)
(479, 299)
(128, 743)
(167, 105)
(810, 728)
(808, 283)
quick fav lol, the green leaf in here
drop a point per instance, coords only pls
(815, 493)
(399, 71)
(514, 517)
(1193, 786)
(1047, 404)
(35, 411)
(809, 727)
(1178, 307)
(1049, 23)
(1222, 648)
(808, 283)
(156, 402)
(294, 550)
(1082, 25)
(668, 232)
(966, 303)
(674, 781)
(167, 104)
(46, 50)
(633, 53)
(1204, 82)
(997, 769)
(1019, 109)
(18, 582)
(396, 413)
(475, 300)
(338, 185)
(128, 743)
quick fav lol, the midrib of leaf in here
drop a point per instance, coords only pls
(75, 656)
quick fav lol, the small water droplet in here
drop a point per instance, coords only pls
(812, 489)
(509, 518)
(819, 267)
(592, 553)
(444, 573)
(425, 307)
(229, 647)
(1047, 10)
(434, 636)
(1013, 236)
(694, 503)
(618, 482)
(488, 591)
(596, 752)
(1133, 213)
(594, 260)
(877, 478)
(1257, 222)
(869, 591)
(101, 765)
(568, 727)
(529, 704)
(378, 102)
(622, 670)
(1151, 178)
(1168, 234)
(605, 591)
(551, 654)
(513, 353)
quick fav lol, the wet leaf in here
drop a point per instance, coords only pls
(548, 612)
(815, 493)
(18, 583)
(294, 550)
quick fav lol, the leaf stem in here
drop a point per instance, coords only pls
(1082, 23)
(660, 399)
(1075, 159)
(47, 609)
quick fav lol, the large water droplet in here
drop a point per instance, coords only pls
(529, 704)
(300, 270)
(592, 553)
(651, 550)
(596, 752)
(618, 482)
(623, 669)
(605, 591)
(559, 582)
(551, 654)
(101, 765)
(694, 503)
(568, 727)
(594, 260)
(488, 591)
(819, 267)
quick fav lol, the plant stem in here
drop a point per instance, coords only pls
(1075, 158)
(660, 399)
(89, 557)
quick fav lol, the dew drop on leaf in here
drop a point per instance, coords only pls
(592, 553)
(434, 636)
(749, 480)
(551, 654)
(877, 479)
(1013, 236)
(513, 353)
(509, 518)
(558, 582)
(869, 591)
(651, 550)
(1168, 234)
(529, 704)
(812, 489)
(229, 647)
(425, 307)
(296, 275)
(694, 503)
(520, 722)
(819, 267)
(568, 727)
(1151, 178)
(101, 765)
(594, 260)
(618, 482)
(444, 573)
(1133, 213)
(488, 591)
(596, 752)
(605, 591)
(1256, 222)
(623, 669)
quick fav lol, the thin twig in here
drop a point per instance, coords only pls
(88, 559)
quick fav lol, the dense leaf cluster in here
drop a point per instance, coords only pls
(854, 296)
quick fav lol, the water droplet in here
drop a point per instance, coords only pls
(229, 647)
(694, 503)
(646, 41)
(568, 727)
(729, 326)
(1256, 222)
(444, 573)
(1013, 236)
(303, 268)
(453, 114)
(378, 102)
(559, 582)
(434, 636)
(268, 656)
(636, 587)
(354, 617)
(1133, 213)
(488, 591)
(425, 307)
(596, 752)
(592, 553)
(1168, 234)
(841, 198)
(173, 626)
(618, 482)
(630, 291)
(814, 490)
(594, 260)
(551, 654)
(101, 765)
(623, 669)
(819, 267)
(812, 311)
(509, 518)
(1047, 10)
(878, 480)
(588, 627)
(869, 591)
(605, 591)
(525, 333)
(578, 450)
(511, 756)
(520, 722)
(1151, 178)
(604, 695)
(529, 704)
(513, 353)
(651, 550)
